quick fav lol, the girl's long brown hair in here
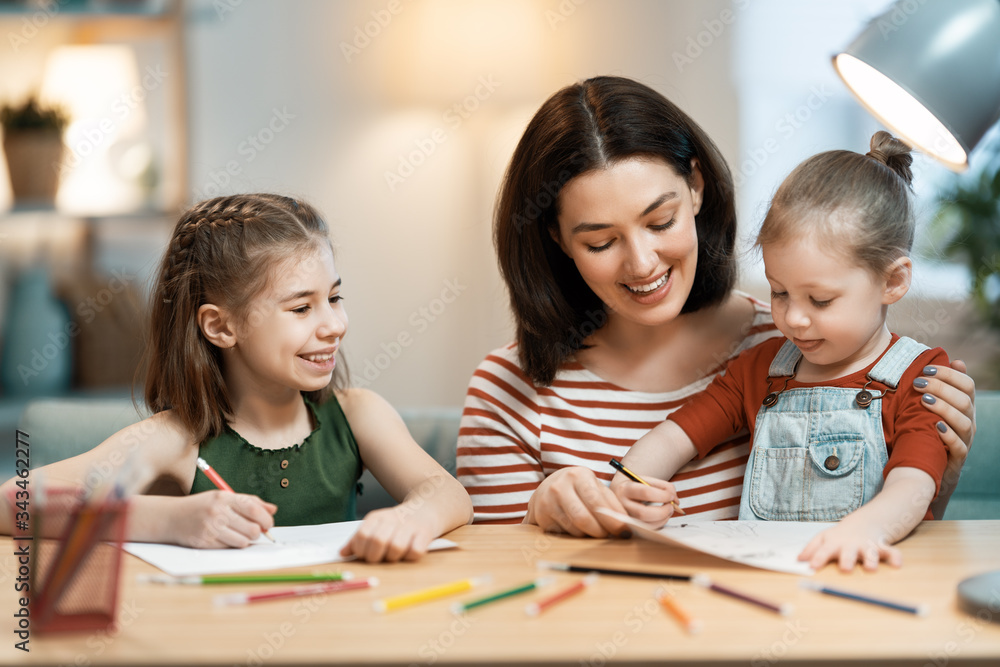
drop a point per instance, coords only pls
(222, 251)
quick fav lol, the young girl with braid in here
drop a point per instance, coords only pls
(838, 430)
(247, 319)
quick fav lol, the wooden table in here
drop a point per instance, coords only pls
(617, 619)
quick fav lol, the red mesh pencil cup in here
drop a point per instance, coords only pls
(75, 552)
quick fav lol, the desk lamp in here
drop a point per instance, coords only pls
(930, 71)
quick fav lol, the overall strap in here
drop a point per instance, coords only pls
(785, 361)
(896, 360)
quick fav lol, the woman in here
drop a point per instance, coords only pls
(615, 229)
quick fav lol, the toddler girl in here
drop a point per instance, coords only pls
(838, 430)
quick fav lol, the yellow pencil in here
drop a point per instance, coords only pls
(428, 594)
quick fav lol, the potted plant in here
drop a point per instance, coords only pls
(967, 227)
(32, 143)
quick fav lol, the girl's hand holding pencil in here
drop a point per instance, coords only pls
(217, 519)
(648, 499)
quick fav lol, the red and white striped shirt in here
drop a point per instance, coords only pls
(514, 433)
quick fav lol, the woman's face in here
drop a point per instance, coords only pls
(630, 230)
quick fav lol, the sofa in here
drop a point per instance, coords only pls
(60, 428)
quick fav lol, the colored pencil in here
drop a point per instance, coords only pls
(918, 610)
(298, 591)
(668, 602)
(617, 465)
(566, 567)
(221, 484)
(703, 581)
(428, 594)
(462, 607)
(74, 545)
(536, 608)
(245, 578)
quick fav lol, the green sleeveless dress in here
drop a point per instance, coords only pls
(311, 482)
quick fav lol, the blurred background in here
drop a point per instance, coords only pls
(396, 119)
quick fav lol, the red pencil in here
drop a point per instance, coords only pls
(297, 591)
(535, 608)
(221, 484)
(214, 476)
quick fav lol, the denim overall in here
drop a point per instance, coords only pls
(817, 454)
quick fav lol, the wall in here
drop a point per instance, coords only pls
(415, 254)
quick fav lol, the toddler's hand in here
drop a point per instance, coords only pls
(651, 504)
(220, 519)
(390, 534)
(851, 542)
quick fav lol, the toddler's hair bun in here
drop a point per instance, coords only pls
(893, 153)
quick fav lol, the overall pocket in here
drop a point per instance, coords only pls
(821, 482)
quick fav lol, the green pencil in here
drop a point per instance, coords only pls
(461, 607)
(246, 578)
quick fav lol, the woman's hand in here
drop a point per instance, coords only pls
(216, 519)
(951, 394)
(652, 504)
(568, 500)
(391, 534)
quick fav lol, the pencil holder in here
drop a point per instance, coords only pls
(74, 555)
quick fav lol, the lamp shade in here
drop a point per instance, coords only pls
(930, 71)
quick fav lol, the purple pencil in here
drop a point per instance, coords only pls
(703, 581)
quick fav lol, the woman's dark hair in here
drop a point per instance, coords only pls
(583, 127)
(223, 251)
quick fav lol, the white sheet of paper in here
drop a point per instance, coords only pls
(770, 545)
(296, 546)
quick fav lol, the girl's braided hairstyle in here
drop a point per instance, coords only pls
(223, 252)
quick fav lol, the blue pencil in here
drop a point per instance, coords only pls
(919, 610)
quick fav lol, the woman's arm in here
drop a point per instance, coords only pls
(951, 394)
(137, 456)
(499, 459)
(432, 502)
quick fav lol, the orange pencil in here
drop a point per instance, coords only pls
(668, 602)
